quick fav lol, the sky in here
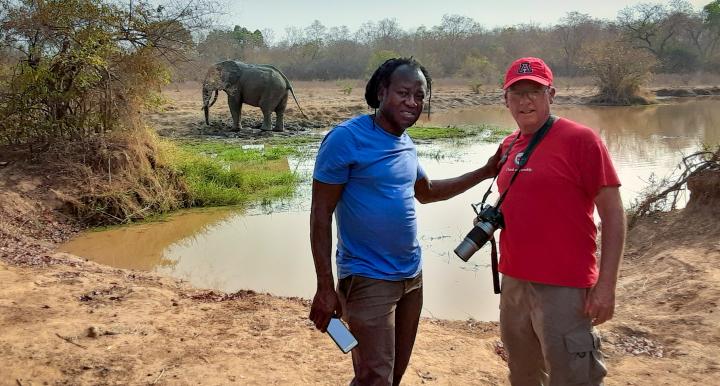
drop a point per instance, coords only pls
(279, 14)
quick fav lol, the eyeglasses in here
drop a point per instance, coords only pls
(533, 94)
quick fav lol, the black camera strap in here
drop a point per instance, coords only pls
(537, 137)
(494, 266)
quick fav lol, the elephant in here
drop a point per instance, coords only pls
(260, 85)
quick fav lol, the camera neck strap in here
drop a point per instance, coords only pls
(537, 137)
(523, 159)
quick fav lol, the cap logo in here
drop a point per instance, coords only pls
(525, 68)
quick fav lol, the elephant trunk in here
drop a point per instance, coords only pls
(206, 102)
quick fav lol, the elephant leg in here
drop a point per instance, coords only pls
(267, 119)
(239, 119)
(279, 125)
(279, 114)
(235, 105)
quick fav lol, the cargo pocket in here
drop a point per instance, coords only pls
(586, 363)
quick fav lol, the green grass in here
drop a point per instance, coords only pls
(429, 133)
(489, 133)
(219, 174)
(294, 141)
(496, 133)
(226, 152)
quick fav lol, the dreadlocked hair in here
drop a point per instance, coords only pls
(381, 77)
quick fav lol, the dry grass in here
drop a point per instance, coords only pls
(117, 179)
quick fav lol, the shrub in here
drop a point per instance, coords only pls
(74, 76)
(346, 87)
(85, 67)
(475, 86)
(619, 72)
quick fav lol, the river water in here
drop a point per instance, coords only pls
(267, 249)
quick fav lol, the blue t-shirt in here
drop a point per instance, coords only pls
(377, 230)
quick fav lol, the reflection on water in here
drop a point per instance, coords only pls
(271, 252)
(143, 246)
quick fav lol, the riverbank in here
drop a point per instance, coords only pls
(326, 104)
(68, 321)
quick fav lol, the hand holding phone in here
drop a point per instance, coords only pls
(341, 335)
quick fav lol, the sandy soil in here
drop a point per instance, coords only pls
(66, 321)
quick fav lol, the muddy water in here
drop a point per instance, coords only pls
(267, 248)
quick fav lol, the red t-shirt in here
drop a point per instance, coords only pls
(549, 234)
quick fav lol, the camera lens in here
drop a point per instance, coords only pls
(466, 249)
(475, 239)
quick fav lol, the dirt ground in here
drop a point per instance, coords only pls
(66, 321)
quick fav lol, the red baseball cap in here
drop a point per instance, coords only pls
(528, 68)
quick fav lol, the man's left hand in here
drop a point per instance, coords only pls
(600, 304)
(493, 163)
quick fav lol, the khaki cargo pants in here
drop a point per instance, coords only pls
(383, 315)
(548, 340)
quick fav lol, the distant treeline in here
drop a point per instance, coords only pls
(676, 37)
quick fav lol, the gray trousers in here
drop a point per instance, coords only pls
(547, 338)
(383, 315)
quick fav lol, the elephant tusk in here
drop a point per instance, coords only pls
(214, 98)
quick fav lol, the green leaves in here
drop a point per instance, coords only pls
(84, 67)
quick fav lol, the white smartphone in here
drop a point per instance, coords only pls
(341, 335)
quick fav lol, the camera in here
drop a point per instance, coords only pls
(488, 220)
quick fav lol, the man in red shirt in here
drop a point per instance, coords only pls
(552, 290)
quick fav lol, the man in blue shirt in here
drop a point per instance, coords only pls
(367, 173)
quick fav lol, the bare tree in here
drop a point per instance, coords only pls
(575, 31)
(316, 32)
(382, 35)
(654, 27)
(454, 38)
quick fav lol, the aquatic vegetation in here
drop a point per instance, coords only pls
(219, 173)
(488, 133)
(428, 133)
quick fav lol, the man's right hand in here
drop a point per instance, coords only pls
(324, 305)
